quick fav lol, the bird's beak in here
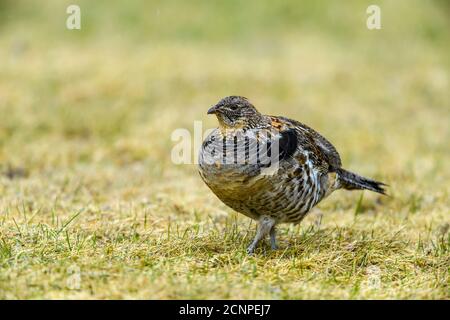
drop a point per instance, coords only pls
(212, 110)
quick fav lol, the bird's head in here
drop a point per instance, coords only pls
(235, 112)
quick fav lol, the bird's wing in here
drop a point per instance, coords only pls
(312, 138)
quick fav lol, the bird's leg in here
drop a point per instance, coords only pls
(273, 241)
(264, 226)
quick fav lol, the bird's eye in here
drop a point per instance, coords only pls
(233, 107)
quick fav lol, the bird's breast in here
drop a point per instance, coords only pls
(230, 164)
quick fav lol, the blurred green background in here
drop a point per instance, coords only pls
(134, 62)
(86, 118)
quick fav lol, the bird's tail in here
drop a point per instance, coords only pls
(351, 181)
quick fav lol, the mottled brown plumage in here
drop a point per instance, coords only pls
(271, 169)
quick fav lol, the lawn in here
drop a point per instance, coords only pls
(92, 206)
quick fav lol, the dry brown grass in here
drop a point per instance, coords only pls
(88, 185)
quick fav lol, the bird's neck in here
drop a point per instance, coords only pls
(255, 122)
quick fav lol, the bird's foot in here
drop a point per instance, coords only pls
(265, 226)
(251, 248)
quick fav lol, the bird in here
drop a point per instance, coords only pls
(272, 169)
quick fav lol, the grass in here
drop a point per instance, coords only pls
(91, 205)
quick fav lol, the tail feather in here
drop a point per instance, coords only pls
(351, 181)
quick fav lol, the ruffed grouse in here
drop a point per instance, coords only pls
(271, 169)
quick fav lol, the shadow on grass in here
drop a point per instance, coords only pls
(295, 242)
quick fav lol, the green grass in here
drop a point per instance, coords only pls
(91, 205)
